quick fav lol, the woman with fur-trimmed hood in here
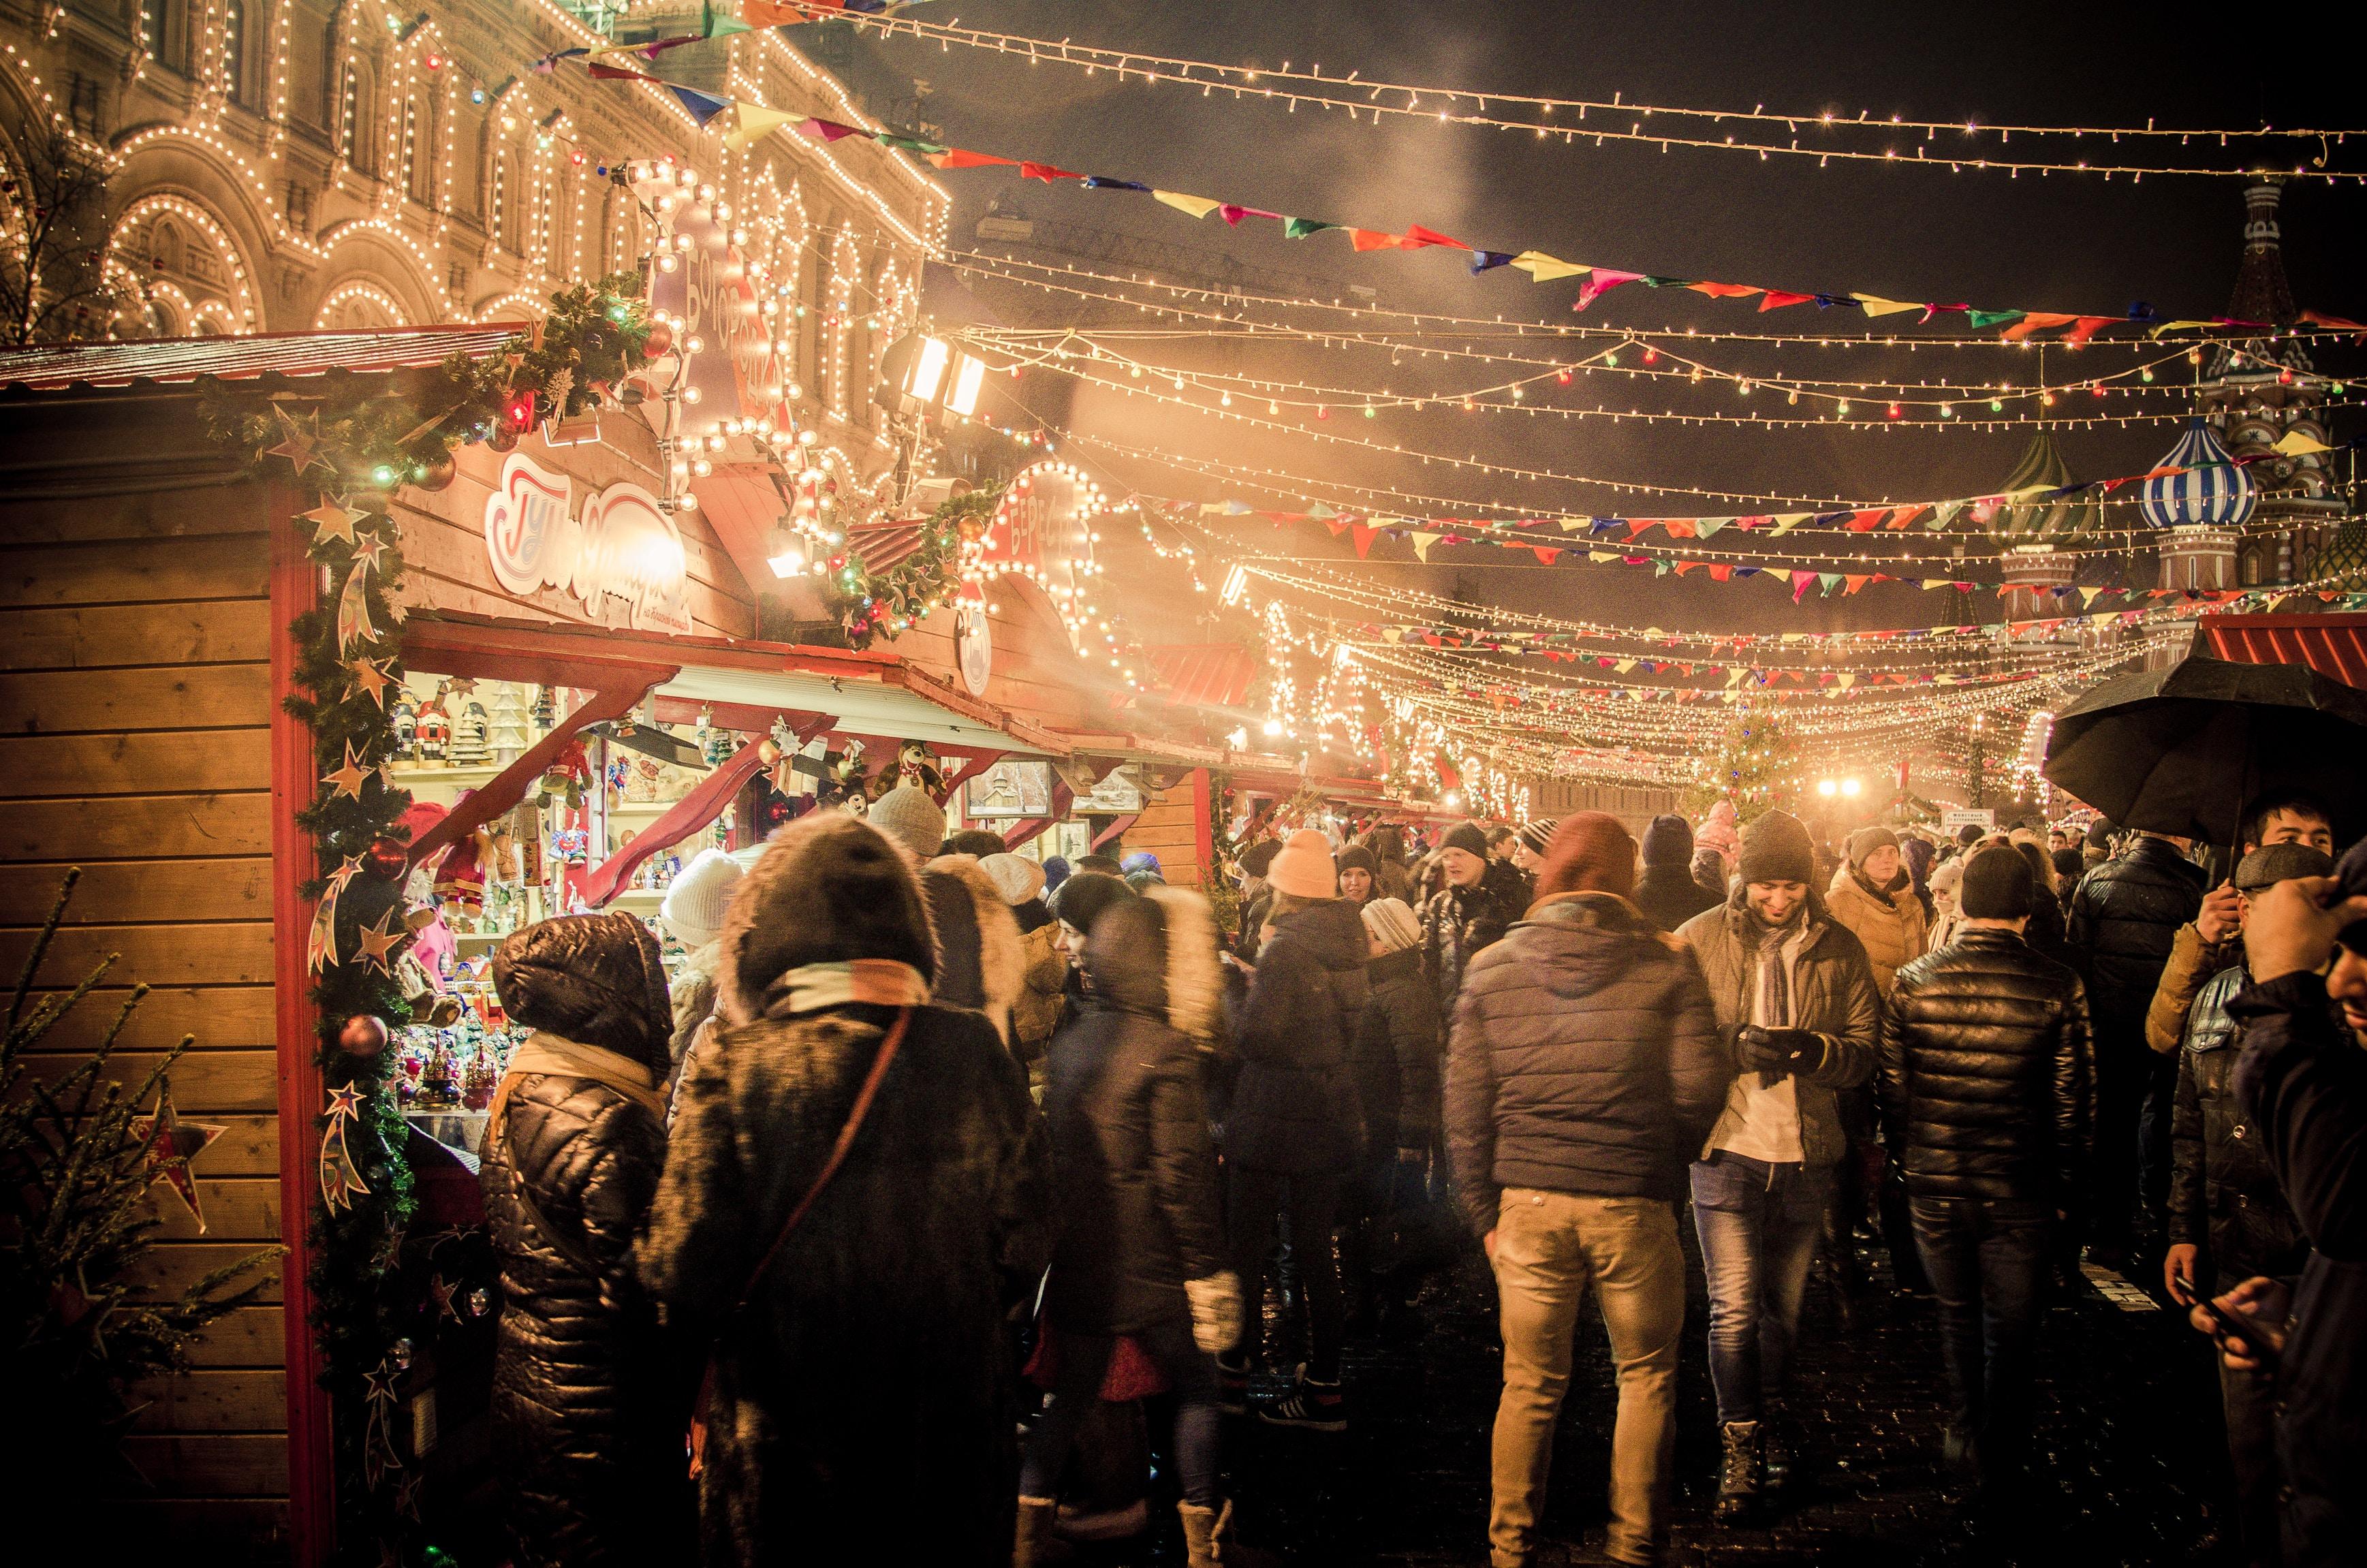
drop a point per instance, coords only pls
(981, 964)
(863, 1401)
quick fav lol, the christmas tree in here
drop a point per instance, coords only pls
(78, 1157)
(1754, 766)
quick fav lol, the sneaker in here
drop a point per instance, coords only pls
(1233, 1385)
(1317, 1406)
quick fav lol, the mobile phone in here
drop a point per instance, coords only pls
(2236, 1328)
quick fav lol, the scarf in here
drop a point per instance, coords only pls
(545, 1054)
(810, 988)
(1772, 976)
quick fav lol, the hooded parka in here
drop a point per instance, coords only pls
(1294, 1108)
(589, 1399)
(863, 1401)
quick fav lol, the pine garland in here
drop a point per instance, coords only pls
(354, 445)
(869, 602)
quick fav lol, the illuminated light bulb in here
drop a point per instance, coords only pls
(1997, 406)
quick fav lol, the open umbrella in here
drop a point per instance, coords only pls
(2181, 750)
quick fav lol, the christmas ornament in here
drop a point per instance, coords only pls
(377, 1434)
(380, 941)
(300, 450)
(353, 623)
(321, 943)
(367, 551)
(347, 780)
(169, 1144)
(441, 1291)
(362, 1036)
(371, 675)
(341, 1178)
(333, 519)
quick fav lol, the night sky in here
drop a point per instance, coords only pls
(2064, 242)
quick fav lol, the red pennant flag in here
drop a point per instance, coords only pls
(1635, 526)
(2036, 321)
(962, 158)
(1776, 299)
(1361, 537)
(1866, 519)
(831, 131)
(617, 73)
(1903, 516)
(2087, 327)
(1416, 236)
(1545, 553)
(1048, 173)
(1721, 571)
(1680, 528)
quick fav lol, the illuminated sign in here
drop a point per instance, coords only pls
(621, 557)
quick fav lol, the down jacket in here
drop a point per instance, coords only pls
(1293, 1106)
(1585, 1059)
(2124, 917)
(1396, 1055)
(864, 1393)
(2191, 966)
(1133, 1171)
(1987, 1073)
(1668, 896)
(589, 1400)
(1456, 925)
(1833, 994)
(1889, 922)
(2222, 1191)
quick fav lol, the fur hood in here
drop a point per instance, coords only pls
(1193, 980)
(828, 888)
(1000, 960)
(1157, 955)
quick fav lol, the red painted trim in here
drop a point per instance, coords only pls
(1118, 824)
(1027, 828)
(697, 809)
(975, 764)
(508, 787)
(311, 1478)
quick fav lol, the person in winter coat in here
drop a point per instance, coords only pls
(1947, 913)
(1504, 877)
(2228, 1220)
(1254, 863)
(1917, 853)
(2301, 1083)
(2123, 921)
(1141, 1250)
(859, 1389)
(1722, 831)
(1293, 1129)
(981, 963)
(1873, 895)
(589, 1397)
(1357, 870)
(2046, 928)
(1043, 963)
(1390, 873)
(1710, 874)
(1531, 843)
(693, 915)
(2207, 945)
(1585, 1070)
(1987, 1092)
(1666, 892)
(1464, 915)
(1797, 1006)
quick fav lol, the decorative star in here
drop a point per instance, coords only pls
(346, 1101)
(441, 1290)
(373, 677)
(169, 1144)
(380, 941)
(348, 778)
(379, 1382)
(333, 519)
(367, 551)
(300, 450)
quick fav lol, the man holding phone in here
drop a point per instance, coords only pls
(2302, 1082)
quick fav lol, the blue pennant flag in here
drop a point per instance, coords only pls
(703, 107)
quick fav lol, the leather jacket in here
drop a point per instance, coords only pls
(2223, 1192)
(2125, 918)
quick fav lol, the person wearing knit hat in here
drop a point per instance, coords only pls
(1465, 914)
(1530, 844)
(1250, 866)
(1142, 861)
(1667, 892)
(1356, 868)
(909, 815)
(1015, 877)
(1392, 924)
(692, 915)
(1947, 908)
(1720, 831)
(1875, 897)
(1056, 871)
(1796, 999)
(1080, 902)
(1583, 1069)
(1987, 1090)
(1304, 868)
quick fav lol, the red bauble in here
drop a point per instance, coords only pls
(385, 859)
(363, 1036)
(661, 340)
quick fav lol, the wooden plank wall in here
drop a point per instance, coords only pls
(1170, 829)
(1036, 676)
(134, 699)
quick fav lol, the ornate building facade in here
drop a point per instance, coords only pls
(291, 165)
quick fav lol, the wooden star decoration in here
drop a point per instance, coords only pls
(348, 778)
(300, 450)
(333, 519)
(373, 677)
(441, 1290)
(380, 940)
(367, 551)
(169, 1144)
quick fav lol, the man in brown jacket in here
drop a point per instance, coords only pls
(2214, 939)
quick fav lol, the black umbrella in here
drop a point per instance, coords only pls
(2181, 750)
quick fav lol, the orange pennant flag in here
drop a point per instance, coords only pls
(1724, 290)
(962, 158)
(1545, 553)
(1369, 239)
(2036, 321)
(1866, 519)
(1416, 236)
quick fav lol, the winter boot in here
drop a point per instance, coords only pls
(1034, 1545)
(1318, 1406)
(1206, 1533)
(1779, 1447)
(1738, 1479)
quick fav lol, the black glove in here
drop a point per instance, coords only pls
(1778, 1051)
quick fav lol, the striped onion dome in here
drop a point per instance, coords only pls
(2203, 497)
(2043, 518)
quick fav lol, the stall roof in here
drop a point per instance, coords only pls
(1203, 675)
(170, 360)
(868, 693)
(2333, 645)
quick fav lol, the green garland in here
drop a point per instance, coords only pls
(869, 602)
(354, 444)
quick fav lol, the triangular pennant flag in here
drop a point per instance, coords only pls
(1875, 305)
(1864, 519)
(1416, 236)
(1776, 299)
(1857, 580)
(2031, 320)
(963, 158)
(2294, 444)
(1108, 182)
(2087, 327)
(1300, 227)
(1991, 318)
(1787, 521)
(1361, 536)
(714, 24)
(1706, 527)
(1487, 260)
(829, 130)
(1602, 283)
(1048, 173)
(1545, 553)
(1422, 541)
(1373, 239)
(756, 121)
(1198, 205)
(1542, 268)
(1725, 290)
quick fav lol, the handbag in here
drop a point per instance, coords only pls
(862, 1099)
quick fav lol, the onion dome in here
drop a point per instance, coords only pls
(2341, 561)
(2040, 519)
(2220, 496)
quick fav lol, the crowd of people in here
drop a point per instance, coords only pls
(936, 1155)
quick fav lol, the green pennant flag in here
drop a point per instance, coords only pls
(1993, 318)
(713, 25)
(911, 143)
(1300, 227)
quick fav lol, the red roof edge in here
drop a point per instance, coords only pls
(2333, 645)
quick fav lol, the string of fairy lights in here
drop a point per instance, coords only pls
(1955, 146)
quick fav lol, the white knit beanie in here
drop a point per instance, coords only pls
(702, 891)
(1015, 877)
(908, 816)
(1392, 923)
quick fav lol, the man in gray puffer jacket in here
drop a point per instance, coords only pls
(1584, 1071)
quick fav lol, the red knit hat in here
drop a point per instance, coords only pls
(1590, 853)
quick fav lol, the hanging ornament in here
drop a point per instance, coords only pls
(168, 1145)
(321, 943)
(378, 1454)
(373, 675)
(364, 1035)
(354, 624)
(341, 1178)
(348, 779)
(379, 941)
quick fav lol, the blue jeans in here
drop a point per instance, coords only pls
(1987, 1262)
(1191, 1376)
(1758, 1225)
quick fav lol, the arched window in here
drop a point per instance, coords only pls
(357, 130)
(412, 152)
(233, 50)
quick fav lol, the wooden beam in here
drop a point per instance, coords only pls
(975, 764)
(1027, 828)
(507, 788)
(685, 816)
(1118, 824)
(312, 1473)
(747, 718)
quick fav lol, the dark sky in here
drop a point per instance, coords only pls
(2072, 243)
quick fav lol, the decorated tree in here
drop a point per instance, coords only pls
(78, 1157)
(55, 283)
(1754, 766)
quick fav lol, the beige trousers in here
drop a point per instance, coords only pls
(1549, 1246)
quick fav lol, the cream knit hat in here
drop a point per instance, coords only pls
(702, 891)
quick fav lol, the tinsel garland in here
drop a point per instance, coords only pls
(352, 443)
(867, 603)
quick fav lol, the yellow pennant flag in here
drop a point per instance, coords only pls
(1422, 543)
(2087, 596)
(2293, 444)
(1542, 268)
(1198, 205)
(1877, 306)
(756, 121)
(1787, 521)
(1599, 556)
(1847, 681)
(1624, 666)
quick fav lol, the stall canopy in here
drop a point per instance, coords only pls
(2333, 645)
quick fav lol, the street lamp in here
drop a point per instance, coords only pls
(1828, 788)
(1850, 788)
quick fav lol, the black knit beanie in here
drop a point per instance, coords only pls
(1083, 896)
(1775, 849)
(1466, 835)
(1999, 884)
(1668, 841)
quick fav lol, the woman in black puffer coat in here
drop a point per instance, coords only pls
(589, 1398)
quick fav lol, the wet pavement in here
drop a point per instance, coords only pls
(2130, 1469)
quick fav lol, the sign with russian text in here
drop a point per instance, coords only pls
(621, 557)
